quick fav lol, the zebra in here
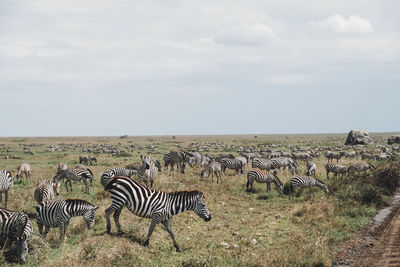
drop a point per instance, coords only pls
(352, 154)
(76, 175)
(6, 182)
(85, 160)
(282, 162)
(148, 171)
(23, 168)
(46, 190)
(334, 155)
(137, 166)
(57, 213)
(306, 182)
(233, 164)
(263, 177)
(167, 159)
(16, 226)
(311, 168)
(180, 158)
(61, 167)
(149, 203)
(361, 167)
(243, 160)
(336, 169)
(262, 164)
(214, 167)
(111, 173)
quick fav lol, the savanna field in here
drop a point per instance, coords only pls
(247, 229)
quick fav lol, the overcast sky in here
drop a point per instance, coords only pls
(198, 67)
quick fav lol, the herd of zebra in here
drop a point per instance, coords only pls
(138, 195)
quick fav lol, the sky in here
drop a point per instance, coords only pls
(101, 68)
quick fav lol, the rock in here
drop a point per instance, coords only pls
(253, 241)
(358, 137)
(251, 208)
(394, 139)
(235, 233)
(235, 245)
(224, 244)
(277, 216)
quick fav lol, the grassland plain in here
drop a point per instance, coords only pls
(261, 229)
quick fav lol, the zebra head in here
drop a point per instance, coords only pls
(56, 188)
(325, 188)
(22, 231)
(158, 165)
(203, 173)
(183, 166)
(201, 209)
(22, 249)
(89, 216)
(145, 162)
(191, 161)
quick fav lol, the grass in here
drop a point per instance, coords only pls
(260, 229)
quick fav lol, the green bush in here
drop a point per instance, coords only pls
(286, 188)
(370, 195)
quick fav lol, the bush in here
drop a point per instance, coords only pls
(370, 195)
(286, 188)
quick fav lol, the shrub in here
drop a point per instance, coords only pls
(124, 154)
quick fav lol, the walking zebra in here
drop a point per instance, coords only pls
(335, 169)
(157, 205)
(263, 177)
(85, 160)
(6, 182)
(311, 168)
(306, 182)
(262, 164)
(148, 171)
(111, 173)
(46, 190)
(16, 226)
(76, 175)
(23, 168)
(57, 213)
(214, 167)
(233, 164)
(361, 167)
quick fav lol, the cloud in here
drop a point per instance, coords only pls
(338, 23)
(246, 34)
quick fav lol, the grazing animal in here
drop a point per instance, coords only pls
(85, 160)
(361, 167)
(57, 213)
(333, 155)
(335, 169)
(46, 190)
(93, 159)
(180, 158)
(263, 177)
(111, 173)
(366, 155)
(17, 227)
(148, 171)
(157, 205)
(306, 182)
(243, 160)
(76, 175)
(61, 167)
(6, 182)
(23, 168)
(283, 162)
(262, 164)
(311, 168)
(233, 164)
(214, 167)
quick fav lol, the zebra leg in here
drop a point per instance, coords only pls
(46, 230)
(40, 226)
(66, 185)
(1, 194)
(6, 199)
(86, 185)
(116, 215)
(151, 183)
(65, 230)
(154, 221)
(168, 227)
(108, 212)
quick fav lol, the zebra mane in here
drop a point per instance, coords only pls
(318, 180)
(91, 173)
(188, 193)
(78, 201)
(279, 181)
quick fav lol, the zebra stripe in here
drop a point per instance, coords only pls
(233, 164)
(6, 182)
(111, 173)
(311, 168)
(46, 190)
(148, 171)
(306, 182)
(17, 227)
(57, 213)
(335, 169)
(76, 175)
(263, 177)
(214, 167)
(149, 203)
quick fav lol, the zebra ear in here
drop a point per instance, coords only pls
(141, 156)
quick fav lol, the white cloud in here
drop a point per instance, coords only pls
(338, 23)
(246, 34)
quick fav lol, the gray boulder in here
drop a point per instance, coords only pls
(394, 139)
(358, 137)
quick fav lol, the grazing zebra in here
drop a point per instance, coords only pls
(262, 164)
(333, 155)
(57, 213)
(167, 160)
(361, 167)
(214, 167)
(306, 182)
(93, 159)
(243, 160)
(311, 168)
(16, 226)
(85, 160)
(336, 169)
(61, 167)
(148, 171)
(111, 173)
(157, 205)
(263, 177)
(6, 182)
(180, 158)
(366, 155)
(46, 190)
(282, 162)
(76, 175)
(233, 164)
(352, 155)
(23, 168)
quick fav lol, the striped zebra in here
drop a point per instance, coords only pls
(283, 162)
(111, 173)
(6, 182)
(76, 175)
(157, 205)
(263, 177)
(214, 167)
(57, 213)
(311, 168)
(335, 169)
(23, 169)
(148, 171)
(16, 226)
(361, 167)
(243, 160)
(180, 158)
(306, 182)
(262, 164)
(137, 166)
(61, 167)
(46, 190)
(233, 164)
